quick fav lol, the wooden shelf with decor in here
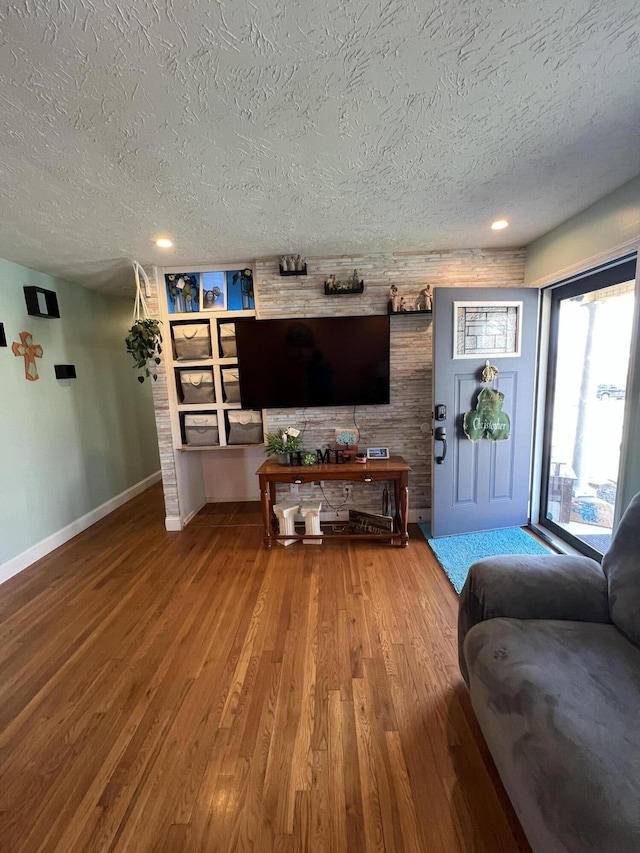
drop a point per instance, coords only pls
(393, 470)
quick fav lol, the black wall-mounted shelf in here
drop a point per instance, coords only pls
(409, 313)
(34, 305)
(343, 291)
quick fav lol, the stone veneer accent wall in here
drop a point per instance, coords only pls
(405, 425)
(161, 406)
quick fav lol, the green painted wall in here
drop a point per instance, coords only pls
(611, 222)
(67, 446)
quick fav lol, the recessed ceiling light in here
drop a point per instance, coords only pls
(164, 243)
(499, 224)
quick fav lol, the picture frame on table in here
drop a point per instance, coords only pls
(378, 453)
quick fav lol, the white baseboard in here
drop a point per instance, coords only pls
(330, 515)
(55, 540)
(416, 515)
(176, 523)
(192, 514)
(254, 497)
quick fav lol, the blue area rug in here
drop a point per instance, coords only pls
(457, 553)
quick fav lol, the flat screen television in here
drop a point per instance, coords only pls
(317, 361)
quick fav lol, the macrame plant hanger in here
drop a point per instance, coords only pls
(144, 338)
(140, 308)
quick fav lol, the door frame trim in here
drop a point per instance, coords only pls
(521, 294)
(543, 413)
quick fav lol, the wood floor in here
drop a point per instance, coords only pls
(194, 692)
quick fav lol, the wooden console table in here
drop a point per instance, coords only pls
(393, 470)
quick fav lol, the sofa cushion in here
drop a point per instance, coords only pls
(558, 703)
(621, 565)
(521, 586)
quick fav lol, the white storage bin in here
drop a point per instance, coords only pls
(245, 428)
(192, 340)
(228, 340)
(201, 430)
(231, 384)
(197, 386)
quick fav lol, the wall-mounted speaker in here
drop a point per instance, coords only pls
(65, 371)
(3, 337)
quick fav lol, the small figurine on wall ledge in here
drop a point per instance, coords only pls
(293, 265)
(352, 285)
(424, 301)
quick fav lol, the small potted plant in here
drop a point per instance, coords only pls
(283, 442)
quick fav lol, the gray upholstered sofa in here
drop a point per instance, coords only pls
(550, 650)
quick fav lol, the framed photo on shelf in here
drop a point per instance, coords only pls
(213, 294)
(183, 292)
(240, 295)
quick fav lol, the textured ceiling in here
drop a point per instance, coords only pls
(244, 129)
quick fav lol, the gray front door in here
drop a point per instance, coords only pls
(482, 484)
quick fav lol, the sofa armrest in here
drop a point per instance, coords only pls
(548, 586)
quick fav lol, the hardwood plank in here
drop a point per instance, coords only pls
(319, 734)
(403, 793)
(278, 792)
(320, 820)
(337, 806)
(352, 781)
(195, 692)
(369, 782)
(301, 772)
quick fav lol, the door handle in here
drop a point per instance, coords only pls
(440, 434)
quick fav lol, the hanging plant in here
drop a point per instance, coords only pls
(143, 342)
(144, 338)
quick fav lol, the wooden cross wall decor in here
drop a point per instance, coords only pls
(29, 351)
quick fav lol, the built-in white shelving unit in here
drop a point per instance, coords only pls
(215, 359)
